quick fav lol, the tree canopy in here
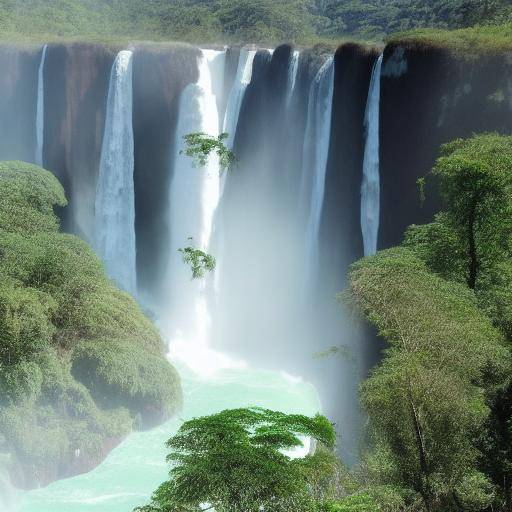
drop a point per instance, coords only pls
(235, 461)
(79, 362)
(222, 21)
(439, 403)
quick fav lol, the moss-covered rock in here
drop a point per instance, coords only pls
(80, 364)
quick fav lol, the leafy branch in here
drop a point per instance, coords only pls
(201, 145)
(199, 261)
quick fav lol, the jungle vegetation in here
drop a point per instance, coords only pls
(79, 362)
(231, 21)
(439, 403)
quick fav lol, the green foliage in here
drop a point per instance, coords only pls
(26, 205)
(199, 261)
(257, 21)
(475, 180)
(427, 399)
(79, 362)
(126, 374)
(353, 503)
(440, 403)
(472, 42)
(233, 461)
(201, 145)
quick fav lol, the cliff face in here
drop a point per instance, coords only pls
(159, 76)
(430, 97)
(18, 87)
(76, 79)
(341, 234)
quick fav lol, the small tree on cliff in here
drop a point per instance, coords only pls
(234, 462)
(474, 232)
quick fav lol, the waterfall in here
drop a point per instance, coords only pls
(40, 109)
(9, 496)
(236, 96)
(292, 76)
(315, 155)
(115, 203)
(194, 197)
(370, 189)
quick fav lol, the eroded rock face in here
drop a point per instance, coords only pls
(341, 235)
(76, 80)
(430, 97)
(18, 89)
(160, 73)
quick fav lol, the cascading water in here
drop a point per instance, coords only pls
(292, 76)
(242, 80)
(236, 96)
(370, 189)
(194, 196)
(315, 155)
(40, 109)
(115, 202)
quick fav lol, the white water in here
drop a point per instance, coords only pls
(194, 197)
(235, 99)
(315, 155)
(370, 189)
(236, 96)
(292, 76)
(115, 202)
(40, 109)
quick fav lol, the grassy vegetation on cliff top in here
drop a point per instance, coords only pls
(266, 22)
(472, 41)
(79, 362)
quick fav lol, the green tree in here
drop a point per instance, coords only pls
(234, 462)
(426, 400)
(199, 261)
(471, 241)
(475, 180)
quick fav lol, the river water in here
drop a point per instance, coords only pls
(136, 467)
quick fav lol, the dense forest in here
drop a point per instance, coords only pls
(242, 20)
(68, 339)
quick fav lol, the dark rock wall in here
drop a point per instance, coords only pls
(341, 236)
(76, 80)
(429, 98)
(159, 76)
(18, 93)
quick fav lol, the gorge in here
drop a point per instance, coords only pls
(329, 146)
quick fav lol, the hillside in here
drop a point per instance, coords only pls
(223, 21)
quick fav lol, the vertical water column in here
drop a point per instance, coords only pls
(315, 155)
(40, 109)
(236, 96)
(194, 197)
(115, 202)
(370, 189)
(292, 76)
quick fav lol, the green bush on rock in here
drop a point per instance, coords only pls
(79, 362)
